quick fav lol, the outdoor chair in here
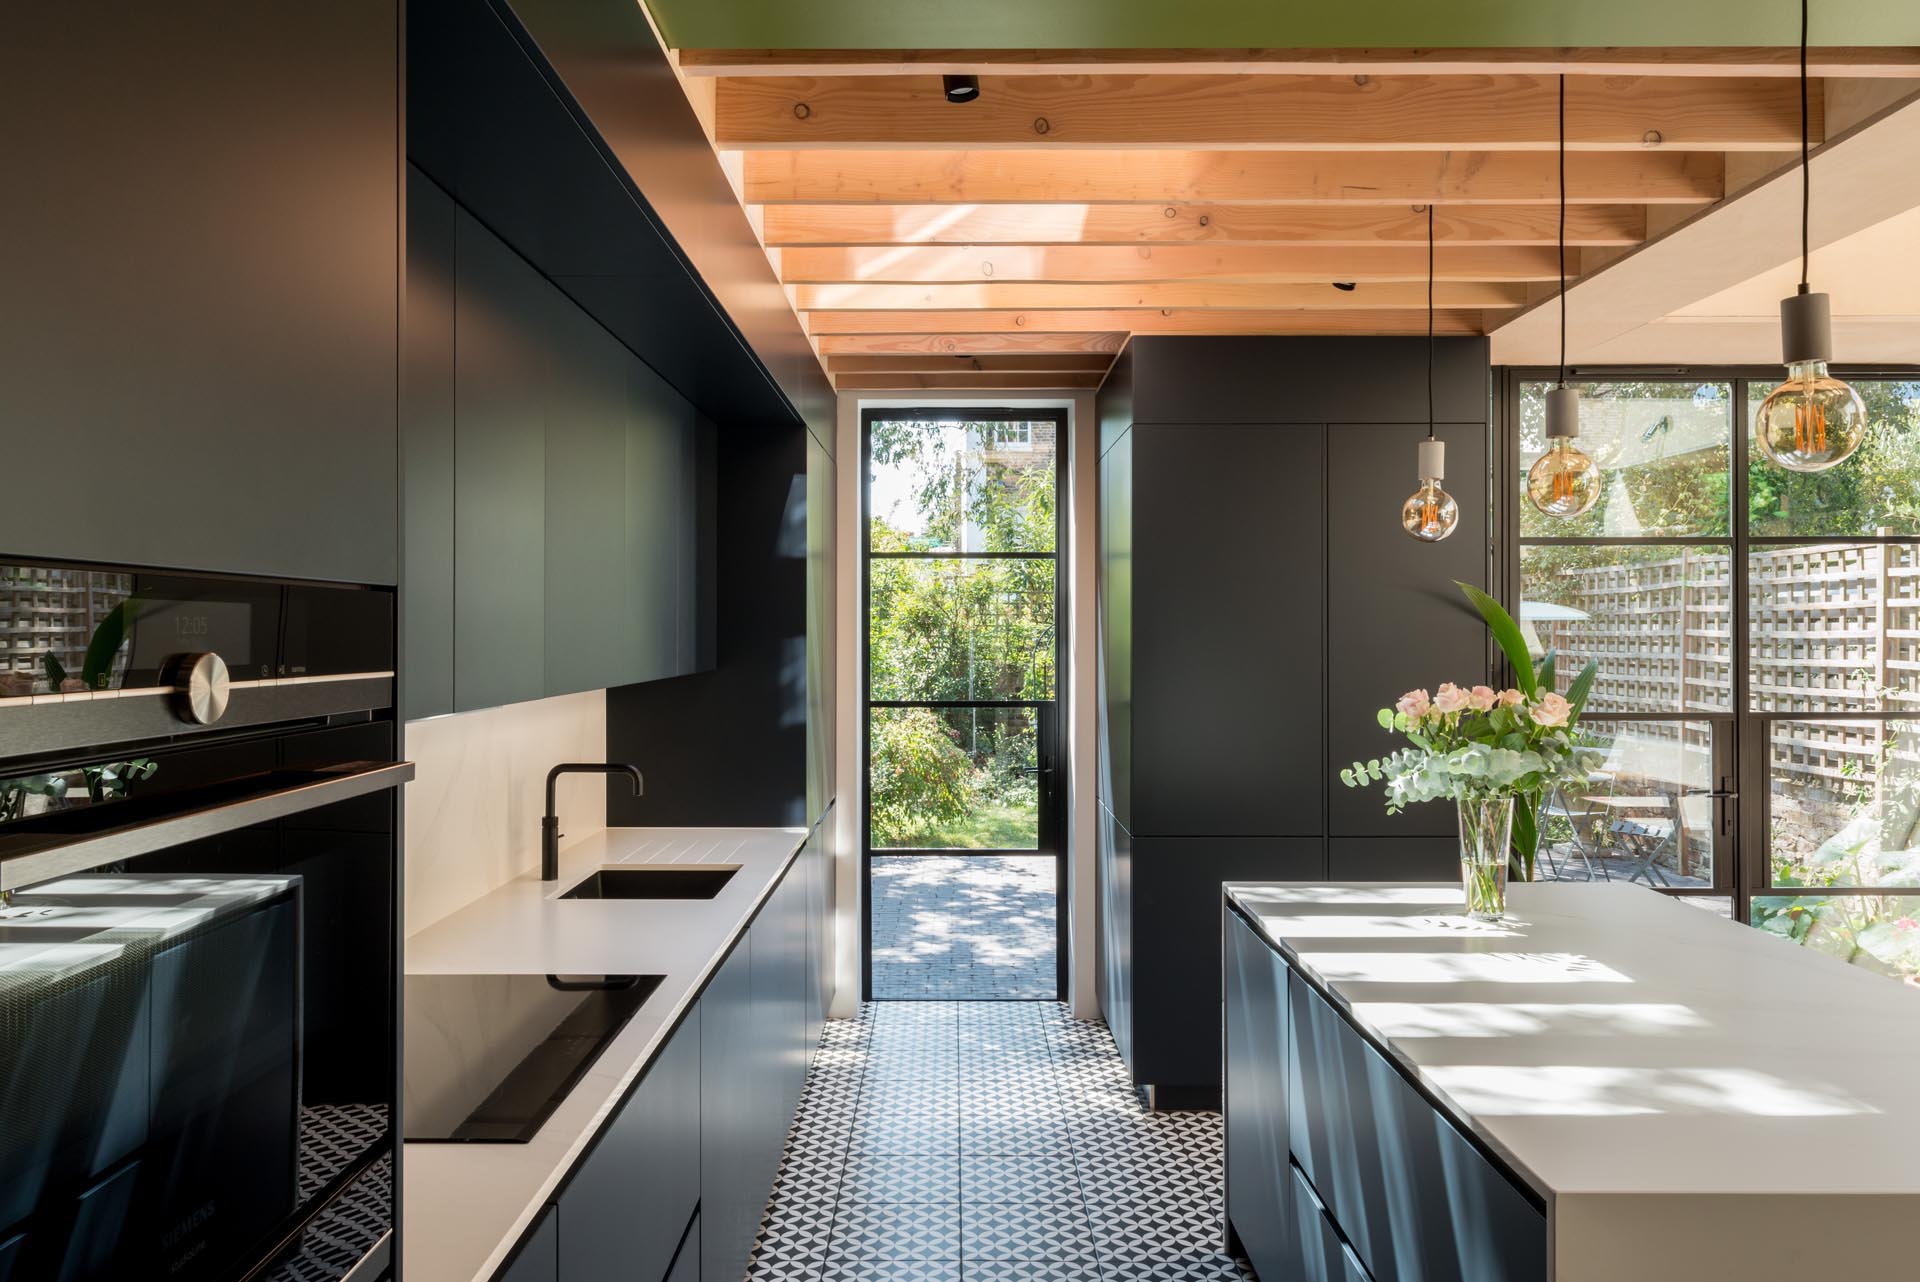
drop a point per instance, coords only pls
(1558, 807)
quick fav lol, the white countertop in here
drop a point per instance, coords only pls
(1662, 1076)
(464, 1205)
(1610, 1039)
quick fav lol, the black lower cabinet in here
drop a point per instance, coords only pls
(1256, 1113)
(673, 1187)
(538, 1256)
(1338, 1168)
(629, 1199)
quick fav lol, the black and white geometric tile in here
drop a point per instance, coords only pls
(988, 1142)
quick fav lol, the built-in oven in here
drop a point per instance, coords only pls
(199, 935)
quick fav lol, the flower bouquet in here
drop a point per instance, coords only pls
(1495, 753)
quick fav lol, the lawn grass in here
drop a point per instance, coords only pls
(987, 827)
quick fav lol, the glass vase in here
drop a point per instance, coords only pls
(1486, 828)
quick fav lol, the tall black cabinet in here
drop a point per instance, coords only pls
(1258, 604)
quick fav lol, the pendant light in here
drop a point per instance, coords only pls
(1563, 483)
(1431, 514)
(1813, 420)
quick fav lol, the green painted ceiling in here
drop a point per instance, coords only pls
(1237, 24)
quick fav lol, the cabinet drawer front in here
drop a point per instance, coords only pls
(623, 1212)
(1417, 1200)
(1256, 1097)
(1322, 1256)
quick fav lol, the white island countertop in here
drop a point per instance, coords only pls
(465, 1205)
(1691, 1097)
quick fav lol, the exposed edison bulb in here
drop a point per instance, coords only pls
(1431, 513)
(1810, 422)
(1563, 482)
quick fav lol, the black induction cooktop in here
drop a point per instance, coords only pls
(489, 1057)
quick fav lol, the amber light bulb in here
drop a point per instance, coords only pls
(1810, 422)
(1563, 483)
(1430, 514)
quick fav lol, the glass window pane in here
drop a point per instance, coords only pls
(1845, 803)
(1877, 491)
(952, 486)
(1646, 814)
(1875, 932)
(961, 629)
(955, 778)
(1665, 454)
(1835, 626)
(1656, 619)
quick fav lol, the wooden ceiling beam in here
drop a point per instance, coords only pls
(962, 380)
(1285, 113)
(1082, 264)
(1104, 342)
(1876, 61)
(1229, 177)
(1103, 297)
(958, 330)
(948, 362)
(793, 226)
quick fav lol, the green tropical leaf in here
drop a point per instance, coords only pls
(106, 643)
(1582, 687)
(56, 674)
(1507, 634)
(1547, 669)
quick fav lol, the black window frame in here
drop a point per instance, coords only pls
(1052, 817)
(1748, 875)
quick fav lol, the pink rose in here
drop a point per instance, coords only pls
(1904, 925)
(1482, 698)
(1551, 710)
(1414, 703)
(1510, 698)
(1451, 698)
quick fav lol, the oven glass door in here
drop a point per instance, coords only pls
(199, 1051)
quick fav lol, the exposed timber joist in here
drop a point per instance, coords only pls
(1290, 113)
(1235, 177)
(1080, 264)
(958, 330)
(1455, 295)
(1105, 343)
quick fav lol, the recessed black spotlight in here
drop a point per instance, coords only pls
(1344, 286)
(961, 88)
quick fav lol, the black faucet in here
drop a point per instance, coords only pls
(550, 825)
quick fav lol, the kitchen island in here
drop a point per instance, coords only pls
(657, 1161)
(1609, 1084)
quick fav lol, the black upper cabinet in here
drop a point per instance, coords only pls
(1229, 591)
(426, 451)
(662, 539)
(503, 311)
(201, 274)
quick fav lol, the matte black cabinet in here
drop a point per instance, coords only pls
(201, 276)
(537, 1260)
(1338, 1169)
(731, 1111)
(553, 486)
(502, 309)
(631, 1198)
(1259, 603)
(1255, 1042)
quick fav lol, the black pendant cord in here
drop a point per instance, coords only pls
(1430, 429)
(1563, 231)
(1806, 177)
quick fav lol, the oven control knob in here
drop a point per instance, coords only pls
(200, 687)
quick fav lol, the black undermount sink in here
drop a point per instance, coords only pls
(652, 883)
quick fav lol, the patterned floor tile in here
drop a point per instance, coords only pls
(861, 1270)
(1024, 1231)
(1084, 1269)
(1035, 1177)
(895, 1231)
(902, 1177)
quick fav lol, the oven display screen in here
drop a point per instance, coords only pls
(165, 628)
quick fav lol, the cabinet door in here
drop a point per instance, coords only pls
(1395, 620)
(499, 473)
(537, 1258)
(686, 1265)
(779, 938)
(660, 540)
(426, 451)
(623, 1211)
(1256, 1098)
(1229, 586)
(589, 576)
(729, 1205)
(200, 277)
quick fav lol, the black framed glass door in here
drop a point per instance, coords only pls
(962, 710)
